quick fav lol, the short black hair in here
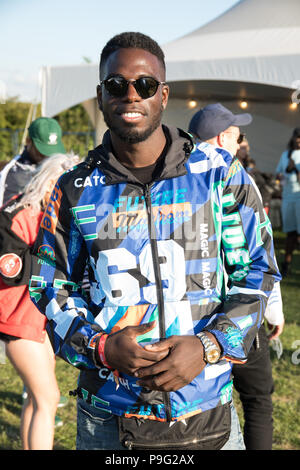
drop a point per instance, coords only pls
(291, 145)
(131, 40)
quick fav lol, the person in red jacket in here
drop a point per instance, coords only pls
(22, 326)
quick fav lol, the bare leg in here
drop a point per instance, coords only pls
(26, 417)
(35, 364)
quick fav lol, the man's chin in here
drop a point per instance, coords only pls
(131, 134)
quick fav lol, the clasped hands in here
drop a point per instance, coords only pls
(167, 365)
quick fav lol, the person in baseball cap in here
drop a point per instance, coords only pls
(219, 126)
(43, 140)
(46, 135)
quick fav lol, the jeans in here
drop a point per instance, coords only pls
(98, 430)
(254, 383)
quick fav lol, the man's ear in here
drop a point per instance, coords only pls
(165, 96)
(220, 140)
(99, 96)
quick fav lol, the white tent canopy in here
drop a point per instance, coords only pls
(256, 41)
(250, 52)
(67, 85)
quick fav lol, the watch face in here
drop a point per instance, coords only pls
(213, 356)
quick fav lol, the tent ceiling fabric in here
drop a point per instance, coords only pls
(252, 46)
(65, 86)
(223, 90)
(254, 14)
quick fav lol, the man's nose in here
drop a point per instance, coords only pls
(132, 94)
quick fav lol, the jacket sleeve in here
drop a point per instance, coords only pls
(59, 260)
(14, 254)
(274, 311)
(246, 242)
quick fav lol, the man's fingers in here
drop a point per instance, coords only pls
(141, 329)
(163, 382)
(153, 356)
(153, 369)
(150, 353)
(162, 345)
(274, 333)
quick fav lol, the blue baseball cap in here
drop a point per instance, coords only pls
(213, 119)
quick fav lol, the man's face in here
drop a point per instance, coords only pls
(297, 143)
(35, 155)
(132, 118)
(230, 139)
(243, 150)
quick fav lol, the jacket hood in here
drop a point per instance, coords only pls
(181, 145)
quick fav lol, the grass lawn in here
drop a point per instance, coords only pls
(286, 374)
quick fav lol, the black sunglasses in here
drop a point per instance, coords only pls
(117, 86)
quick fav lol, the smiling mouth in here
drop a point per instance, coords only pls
(131, 116)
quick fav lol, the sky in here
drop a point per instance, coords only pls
(37, 33)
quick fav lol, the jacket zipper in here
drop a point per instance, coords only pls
(159, 289)
(169, 445)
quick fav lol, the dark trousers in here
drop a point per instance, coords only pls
(254, 383)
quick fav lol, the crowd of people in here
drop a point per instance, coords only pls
(155, 277)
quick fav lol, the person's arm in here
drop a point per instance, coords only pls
(246, 240)
(58, 264)
(274, 313)
(250, 263)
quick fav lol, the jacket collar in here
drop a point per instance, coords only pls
(181, 145)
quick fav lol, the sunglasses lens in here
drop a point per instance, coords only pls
(116, 86)
(146, 87)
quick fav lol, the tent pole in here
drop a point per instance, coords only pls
(28, 121)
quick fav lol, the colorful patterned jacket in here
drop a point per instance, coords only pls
(155, 251)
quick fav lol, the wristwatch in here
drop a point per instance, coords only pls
(212, 352)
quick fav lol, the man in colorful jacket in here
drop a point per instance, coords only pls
(155, 222)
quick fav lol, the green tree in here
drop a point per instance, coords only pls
(13, 116)
(78, 133)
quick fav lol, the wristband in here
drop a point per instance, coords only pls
(101, 346)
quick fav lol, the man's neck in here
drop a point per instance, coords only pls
(140, 154)
(213, 141)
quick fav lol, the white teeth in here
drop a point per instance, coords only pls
(131, 115)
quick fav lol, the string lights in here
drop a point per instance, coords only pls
(192, 104)
(293, 106)
(244, 104)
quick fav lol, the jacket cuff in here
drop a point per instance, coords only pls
(231, 342)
